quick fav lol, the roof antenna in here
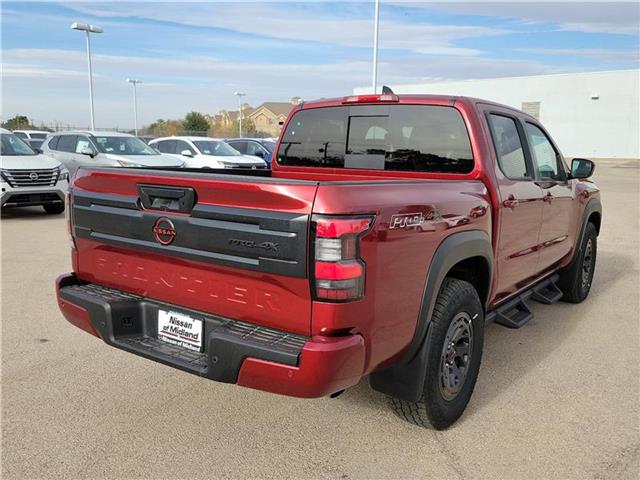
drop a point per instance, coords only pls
(386, 90)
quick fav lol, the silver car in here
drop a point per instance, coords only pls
(104, 149)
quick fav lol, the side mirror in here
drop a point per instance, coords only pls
(582, 168)
(186, 153)
(38, 150)
(259, 153)
(88, 151)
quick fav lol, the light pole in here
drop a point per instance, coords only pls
(88, 29)
(240, 95)
(135, 82)
(375, 46)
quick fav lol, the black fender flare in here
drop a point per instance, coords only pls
(593, 206)
(405, 379)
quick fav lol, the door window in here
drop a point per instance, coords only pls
(181, 146)
(545, 157)
(82, 143)
(166, 146)
(254, 148)
(240, 146)
(508, 145)
(67, 143)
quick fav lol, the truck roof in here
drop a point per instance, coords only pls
(399, 98)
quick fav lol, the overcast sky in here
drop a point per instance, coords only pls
(194, 56)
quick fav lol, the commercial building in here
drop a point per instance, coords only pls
(589, 114)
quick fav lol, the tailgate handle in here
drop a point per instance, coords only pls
(169, 199)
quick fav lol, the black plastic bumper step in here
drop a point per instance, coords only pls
(129, 322)
(153, 347)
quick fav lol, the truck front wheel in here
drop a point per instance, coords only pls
(454, 351)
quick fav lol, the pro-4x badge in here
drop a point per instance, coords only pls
(267, 246)
(406, 220)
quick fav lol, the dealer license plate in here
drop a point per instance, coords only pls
(180, 329)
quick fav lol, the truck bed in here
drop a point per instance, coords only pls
(244, 249)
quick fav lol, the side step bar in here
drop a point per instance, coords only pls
(516, 312)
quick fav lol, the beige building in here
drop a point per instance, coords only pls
(269, 116)
(229, 118)
(589, 114)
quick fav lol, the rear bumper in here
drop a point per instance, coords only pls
(233, 351)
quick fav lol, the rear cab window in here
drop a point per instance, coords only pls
(419, 138)
(508, 147)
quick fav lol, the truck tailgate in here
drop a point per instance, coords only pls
(240, 251)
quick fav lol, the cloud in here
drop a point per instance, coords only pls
(175, 86)
(304, 23)
(193, 57)
(36, 71)
(605, 17)
(603, 54)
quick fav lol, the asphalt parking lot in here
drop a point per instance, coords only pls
(558, 398)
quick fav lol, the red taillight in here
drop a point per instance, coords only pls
(338, 269)
(385, 97)
(67, 212)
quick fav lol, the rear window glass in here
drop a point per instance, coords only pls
(53, 143)
(508, 147)
(419, 138)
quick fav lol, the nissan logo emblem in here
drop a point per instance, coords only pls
(164, 231)
(33, 176)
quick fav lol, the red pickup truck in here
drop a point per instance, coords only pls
(390, 229)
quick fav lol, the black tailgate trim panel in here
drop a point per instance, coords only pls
(260, 240)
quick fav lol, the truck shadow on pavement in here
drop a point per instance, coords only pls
(510, 355)
(26, 213)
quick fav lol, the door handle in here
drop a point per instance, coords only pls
(510, 202)
(548, 197)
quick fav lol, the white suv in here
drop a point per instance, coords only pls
(28, 178)
(205, 152)
(104, 149)
(31, 134)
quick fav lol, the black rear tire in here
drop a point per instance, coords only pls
(454, 352)
(575, 282)
(53, 208)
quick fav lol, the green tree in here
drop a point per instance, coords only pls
(19, 122)
(195, 122)
(220, 130)
(248, 128)
(164, 128)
